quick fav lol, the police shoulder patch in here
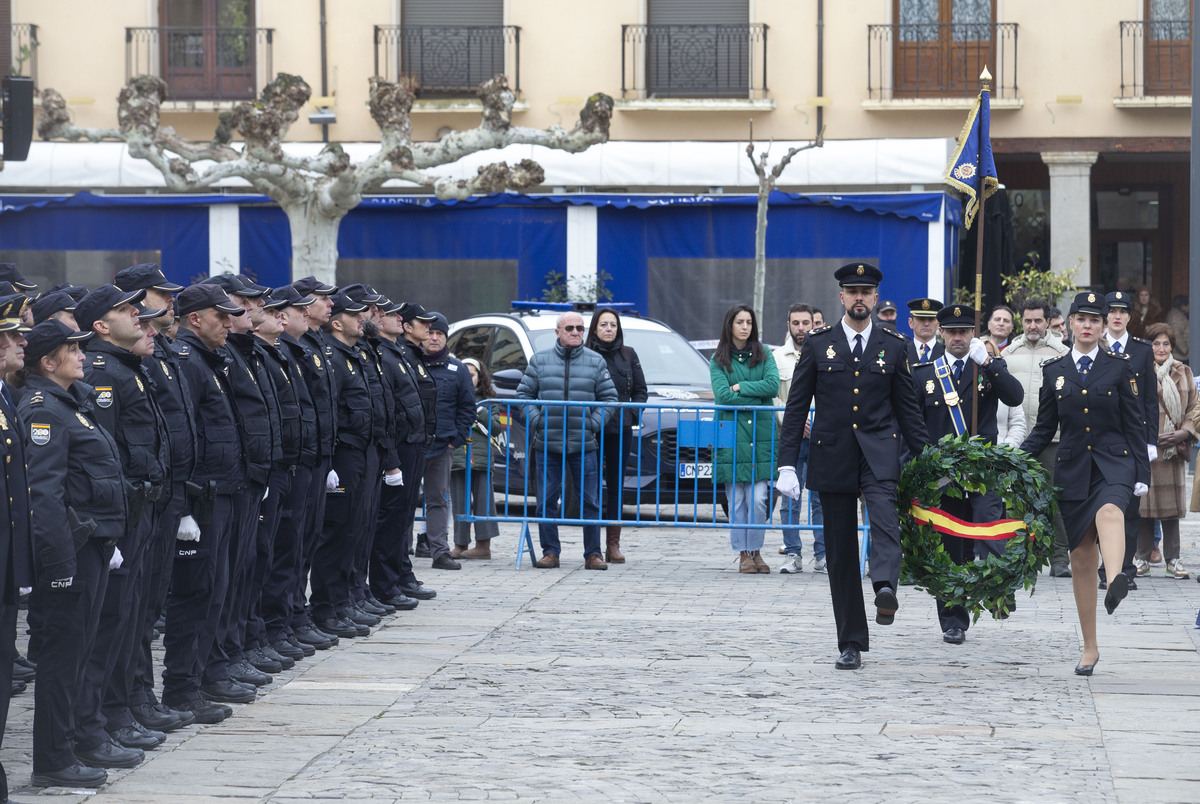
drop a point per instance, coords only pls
(39, 434)
(104, 396)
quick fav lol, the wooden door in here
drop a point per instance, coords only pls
(208, 49)
(941, 46)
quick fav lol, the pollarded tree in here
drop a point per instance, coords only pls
(316, 192)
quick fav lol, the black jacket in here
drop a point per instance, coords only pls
(355, 411)
(300, 366)
(16, 534)
(322, 387)
(862, 408)
(126, 408)
(1101, 423)
(279, 372)
(1141, 360)
(414, 358)
(175, 404)
(74, 475)
(255, 406)
(408, 422)
(456, 403)
(997, 386)
(381, 400)
(219, 454)
(628, 378)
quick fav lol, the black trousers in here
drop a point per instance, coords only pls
(961, 551)
(391, 565)
(284, 574)
(231, 625)
(270, 514)
(160, 556)
(199, 586)
(68, 617)
(617, 447)
(365, 528)
(311, 529)
(334, 553)
(8, 653)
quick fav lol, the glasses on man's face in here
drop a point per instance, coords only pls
(573, 327)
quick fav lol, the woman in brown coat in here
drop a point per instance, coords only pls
(1176, 434)
(1146, 312)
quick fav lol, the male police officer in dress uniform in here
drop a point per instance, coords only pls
(858, 375)
(1141, 357)
(922, 320)
(944, 389)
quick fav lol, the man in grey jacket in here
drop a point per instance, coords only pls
(565, 439)
(1024, 356)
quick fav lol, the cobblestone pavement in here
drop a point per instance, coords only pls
(674, 678)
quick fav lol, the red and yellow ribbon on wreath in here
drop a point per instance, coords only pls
(951, 525)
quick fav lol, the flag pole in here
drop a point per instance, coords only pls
(985, 79)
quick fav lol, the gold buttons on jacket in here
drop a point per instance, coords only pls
(856, 408)
(856, 374)
(856, 390)
(1085, 410)
(855, 426)
(1087, 429)
(1089, 446)
(1085, 392)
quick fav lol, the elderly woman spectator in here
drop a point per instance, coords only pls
(1178, 319)
(1176, 434)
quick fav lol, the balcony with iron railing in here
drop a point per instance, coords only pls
(695, 63)
(202, 66)
(18, 50)
(1156, 63)
(447, 62)
(937, 65)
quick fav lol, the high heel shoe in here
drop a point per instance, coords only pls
(1086, 669)
(1118, 588)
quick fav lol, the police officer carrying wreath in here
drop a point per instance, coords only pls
(858, 375)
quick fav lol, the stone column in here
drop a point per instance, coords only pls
(1070, 212)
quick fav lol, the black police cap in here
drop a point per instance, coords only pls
(48, 336)
(202, 296)
(858, 275)
(146, 276)
(1120, 298)
(411, 310)
(344, 304)
(924, 308)
(310, 285)
(291, 296)
(1090, 303)
(10, 311)
(233, 285)
(262, 290)
(11, 274)
(96, 304)
(956, 316)
(51, 303)
(363, 294)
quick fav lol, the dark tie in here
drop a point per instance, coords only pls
(925, 353)
(1085, 363)
(858, 347)
(8, 400)
(958, 367)
(1116, 349)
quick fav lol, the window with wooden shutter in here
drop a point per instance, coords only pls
(1168, 47)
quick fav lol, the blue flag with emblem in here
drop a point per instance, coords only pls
(972, 170)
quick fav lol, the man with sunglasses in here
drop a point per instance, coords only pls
(565, 440)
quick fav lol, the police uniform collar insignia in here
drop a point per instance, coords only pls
(104, 396)
(83, 420)
(421, 370)
(166, 369)
(317, 360)
(350, 365)
(39, 434)
(141, 387)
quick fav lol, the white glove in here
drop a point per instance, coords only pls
(189, 530)
(978, 352)
(332, 481)
(26, 590)
(395, 478)
(1152, 450)
(266, 492)
(788, 484)
(1140, 489)
(116, 560)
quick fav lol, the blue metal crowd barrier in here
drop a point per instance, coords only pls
(671, 456)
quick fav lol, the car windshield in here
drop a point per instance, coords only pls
(667, 359)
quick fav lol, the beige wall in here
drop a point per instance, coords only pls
(571, 48)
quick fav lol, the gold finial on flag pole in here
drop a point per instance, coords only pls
(985, 76)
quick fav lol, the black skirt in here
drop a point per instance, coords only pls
(1079, 515)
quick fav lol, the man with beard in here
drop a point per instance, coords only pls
(858, 375)
(799, 324)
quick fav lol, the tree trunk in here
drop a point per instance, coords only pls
(314, 240)
(760, 254)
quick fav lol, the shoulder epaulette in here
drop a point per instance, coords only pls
(1139, 340)
(819, 330)
(185, 349)
(36, 398)
(97, 360)
(1050, 360)
(1121, 356)
(895, 334)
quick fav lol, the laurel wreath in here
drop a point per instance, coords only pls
(958, 464)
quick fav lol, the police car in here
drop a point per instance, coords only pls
(660, 468)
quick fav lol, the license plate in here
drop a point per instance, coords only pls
(691, 471)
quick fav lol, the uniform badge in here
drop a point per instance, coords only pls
(141, 387)
(861, 270)
(1117, 295)
(39, 434)
(829, 353)
(83, 420)
(924, 304)
(220, 387)
(166, 369)
(317, 361)
(1092, 298)
(957, 312)
(929, 386)
(350, 365)
(1133, 385)
(104, 396)
(1060, 382)
(3, 421)
(421, 370)
(400, 363)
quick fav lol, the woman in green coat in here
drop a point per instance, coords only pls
(744, 374)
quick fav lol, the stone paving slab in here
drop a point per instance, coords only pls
(674, 678)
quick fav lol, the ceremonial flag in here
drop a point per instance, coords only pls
(953, 526)
(972, 166)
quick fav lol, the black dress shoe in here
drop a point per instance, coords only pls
(286, 662)
(1086, 669)
(287, 650)
(422, 548)
(358, 618)
(204, 712)
(246, 673)
(306, 635)
(185, 718)
(74, 776)
(227, 691)
(886, 605)
(445, 562)
(23, 673)
(110, 755)
(263, 663)
(403, 602)
(850, 659)
(955, 636)
(337, 627)
(130, 737)
(153, 719)
(371, 607)
(1132, 583)
(307, 650)
(1117, 590)
(379, 604)
(418, 591)
(17, 687)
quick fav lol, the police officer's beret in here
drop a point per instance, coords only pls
(96, 304)
(886, 304)
(234, 285)
(10, 311)
(201, 297)
(48, 336)
(11, 274)
(51, 303)
(858, 275)
(310, 285)
(439, 323)
(1120, 298)
(1090, 303)
(291, 296)
(956, 316)
(411, 310)
(147, 276)
(344, 304)
(363, 294)
(924, 308)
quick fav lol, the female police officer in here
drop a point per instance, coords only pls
(1093, 395)
(78, 502)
